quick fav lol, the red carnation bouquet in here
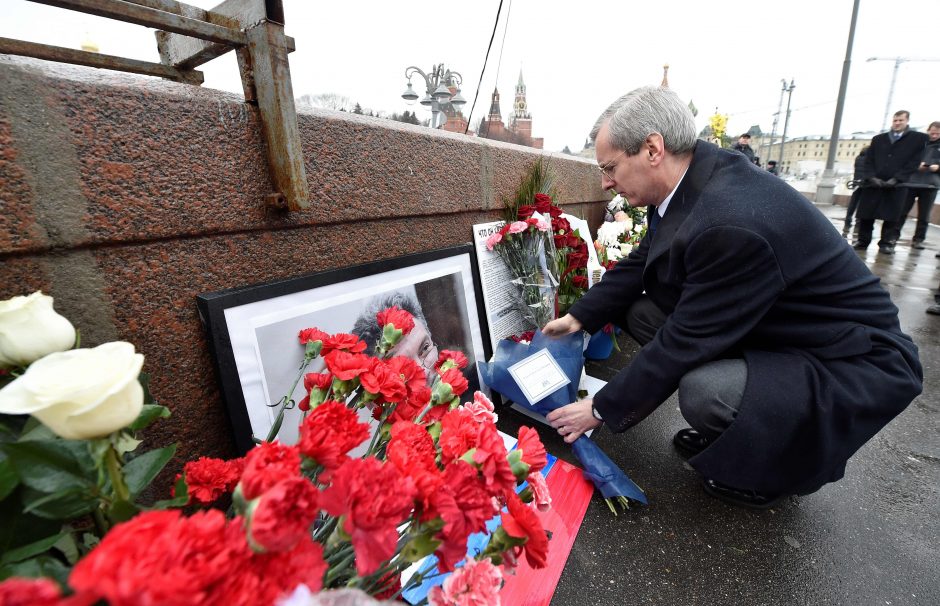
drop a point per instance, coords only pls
(302, 518)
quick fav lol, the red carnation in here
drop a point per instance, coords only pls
(533, 452)
(465, 506)
(490, 456)
(456, 358)
(382, 380)
(453, 377)
(399, 318)
(412, 374)
(29, 592)
(315, 380)
(543, 203)
(459, 433)
(160, 557)
(521, 522)
(266, 465)
(346, 366)
(310, 335)
(411, 450)
(330, 432)
(345, 342)
(208, 479)
(579, 281)
(373, 499)
(284, 514)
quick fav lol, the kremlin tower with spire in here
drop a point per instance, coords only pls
(520, 121)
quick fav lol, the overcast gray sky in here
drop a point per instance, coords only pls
(577, 57)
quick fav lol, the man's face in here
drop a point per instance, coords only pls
(934, 133)
(744, 140)
(626, 175)
(899, 123)
(419, 346)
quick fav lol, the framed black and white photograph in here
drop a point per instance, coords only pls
(253, 330)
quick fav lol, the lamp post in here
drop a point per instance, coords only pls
(827, 185)
(786, 121)
(438, 96)
(773, 129)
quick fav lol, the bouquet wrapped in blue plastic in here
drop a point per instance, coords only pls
(567, 352)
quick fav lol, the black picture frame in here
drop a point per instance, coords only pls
(252, 330)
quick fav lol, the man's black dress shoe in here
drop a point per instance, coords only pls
(690, 442)
(739, 497)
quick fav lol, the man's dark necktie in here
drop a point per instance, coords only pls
(654, 220)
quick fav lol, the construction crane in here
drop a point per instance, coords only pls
(894, 76)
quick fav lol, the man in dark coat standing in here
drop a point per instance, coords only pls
(891, 160)
(786, 351)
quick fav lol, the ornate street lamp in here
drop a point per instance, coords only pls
(438, 97)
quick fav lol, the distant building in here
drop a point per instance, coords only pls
(519, 130)
(806, 156)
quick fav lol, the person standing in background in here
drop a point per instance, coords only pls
(922, 187)
(891, 160)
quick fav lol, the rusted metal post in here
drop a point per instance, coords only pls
(267, 50)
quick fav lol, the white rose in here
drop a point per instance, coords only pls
(30, 329)
(613, 253)
(80, 393)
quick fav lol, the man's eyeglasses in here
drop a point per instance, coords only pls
(427, 354)
(605, 170)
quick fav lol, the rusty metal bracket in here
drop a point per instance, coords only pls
(190, 36)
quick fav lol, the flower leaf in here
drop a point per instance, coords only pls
(140, 472)
(149, 414)
(8, 478)
(33, 549)
(42, 566)
(61, 505)
(51, 465)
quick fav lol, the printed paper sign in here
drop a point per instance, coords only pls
(538, 376)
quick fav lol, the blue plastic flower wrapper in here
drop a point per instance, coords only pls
(612, 482)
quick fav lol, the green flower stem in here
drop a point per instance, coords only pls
(334, 572)
(101, 523)
(323, 532)
(118, 486)
(280, 413)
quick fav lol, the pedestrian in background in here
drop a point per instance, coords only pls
(891, 160)
(923, 185)
(744, 146)
(772, 167)
(858, 179)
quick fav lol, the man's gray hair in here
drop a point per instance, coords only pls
(644, 111)
(367, 327)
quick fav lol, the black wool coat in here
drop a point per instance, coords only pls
(745, 266)
(886, 160)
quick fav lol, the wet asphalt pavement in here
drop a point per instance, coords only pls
(871, 539)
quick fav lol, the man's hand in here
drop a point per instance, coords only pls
(562, 326)
(876, 182)
(935, 167)
(891, 182)
(574, 419)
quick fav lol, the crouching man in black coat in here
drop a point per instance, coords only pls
(785, 349)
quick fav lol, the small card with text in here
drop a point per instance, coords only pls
(538, 376)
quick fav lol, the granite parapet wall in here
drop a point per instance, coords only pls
(124, 197)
